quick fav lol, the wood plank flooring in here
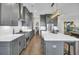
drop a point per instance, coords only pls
(34, 47)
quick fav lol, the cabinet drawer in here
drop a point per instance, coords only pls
(54, 48)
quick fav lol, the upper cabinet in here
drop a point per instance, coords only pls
(51, 21)
(9, 14)
(27, 16)
(48, 19)
(45, 19)
(0, 14)
(42, 20)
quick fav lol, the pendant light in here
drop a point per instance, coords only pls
(55, 14)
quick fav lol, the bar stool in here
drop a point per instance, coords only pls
(70, 44)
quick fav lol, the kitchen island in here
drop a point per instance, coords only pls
(54, 43)
(12, 44)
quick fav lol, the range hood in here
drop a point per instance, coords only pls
(21, 11)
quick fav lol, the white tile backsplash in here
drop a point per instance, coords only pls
(26, 29)
(5, 30)
(42, 27)
(16, 29)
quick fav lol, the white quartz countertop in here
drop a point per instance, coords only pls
(8, 38)
(57, 37)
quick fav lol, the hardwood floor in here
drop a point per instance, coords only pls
(34, 48)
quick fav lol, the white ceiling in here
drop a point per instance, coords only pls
(45, 8)
(39, 8)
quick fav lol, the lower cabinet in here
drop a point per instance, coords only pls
(18, 45)
(54, 48)
(22, 43)
(13, 47)
(28, 36)
(5, 48)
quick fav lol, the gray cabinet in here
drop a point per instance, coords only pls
(9, 14)
(42, 20)
(22, 43)
(54, 48)
(13, 47)
(0, 13)
(4, 48)
(28, 18)
(49, 20)
(28, 36)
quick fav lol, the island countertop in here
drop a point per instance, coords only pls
(57, 37)
(8, 38)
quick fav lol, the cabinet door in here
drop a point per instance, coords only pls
(4, 48)
(43, 20)
(9, 14)
(54, 48)
(22, 43)
(14, 47)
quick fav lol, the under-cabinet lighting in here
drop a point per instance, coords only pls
(6, 27)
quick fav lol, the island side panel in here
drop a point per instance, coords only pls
(4, 48)
(54, 47)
